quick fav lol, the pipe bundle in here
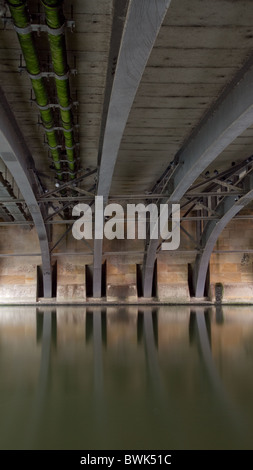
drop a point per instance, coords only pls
(55, 22)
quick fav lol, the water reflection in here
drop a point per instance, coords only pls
(228, 413)
(126, 378)
(200, 321)
(46, 328)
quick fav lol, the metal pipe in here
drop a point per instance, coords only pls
(55, 21)
(21, 20)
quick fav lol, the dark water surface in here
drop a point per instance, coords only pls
(126, 378)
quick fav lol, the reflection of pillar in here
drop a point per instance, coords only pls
(89, 326)
(39, 326)
(140, 325)
(98, 354)
(99, 412)
(46, 331)
(150, 346)
(96, 332)
(149, 320)
(121, 327)
(45, 355)
(226, 406)
(219, 315)
(163, 403)
(206, 354)
(200, 324)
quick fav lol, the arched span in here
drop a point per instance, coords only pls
(232, 116)
(143, 22)
(227, 209)
(16, 156)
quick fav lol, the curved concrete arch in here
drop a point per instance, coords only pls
(143, 22)
(16, 156)
(232, 116)
(227, 209)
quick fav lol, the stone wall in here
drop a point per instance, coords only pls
(71, 285)
(172, 280)
(231, 268)
(121, 279)
(18, 275)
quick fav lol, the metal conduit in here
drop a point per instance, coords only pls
(21, 20)
(55, 21)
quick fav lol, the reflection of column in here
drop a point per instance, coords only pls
(38, 406)
(206, 355)
(150, 348)
(45, 355)
(166, 410)
(99, 412)
(226, 406)
(96, 332)
(98, 354)
(151, 341)
(219, 315)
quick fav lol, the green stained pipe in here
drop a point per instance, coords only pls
(21, 20)
(55, 20)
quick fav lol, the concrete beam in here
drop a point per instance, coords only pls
(143, 22)
(227, 209)
(16, 156)
(232, 115)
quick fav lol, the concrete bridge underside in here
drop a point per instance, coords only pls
(138, 101)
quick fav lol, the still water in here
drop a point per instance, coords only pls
(126, 378)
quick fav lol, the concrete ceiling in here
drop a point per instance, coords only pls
(200, 48)
(195, 60)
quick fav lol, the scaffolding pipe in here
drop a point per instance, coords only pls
(21, 20)
(55, 21)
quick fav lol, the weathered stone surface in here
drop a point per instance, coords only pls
(70, 280)
(127, 293)
(172, 282)
(71, 293)
(17, 293)
(121, 281)
(173, 293)
(234, 293)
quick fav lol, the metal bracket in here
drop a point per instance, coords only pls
(55, 105)
(22, 68)
(77, 144)
(40, 27)
(65, 161)
(58, 128)
(65, 172)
